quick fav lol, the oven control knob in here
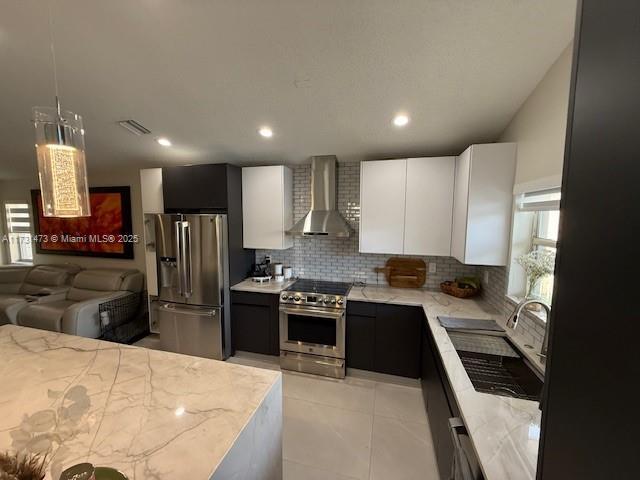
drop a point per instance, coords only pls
(340, 301)
(333, 301)
(297, 298)
(290, 297)
(325, 300)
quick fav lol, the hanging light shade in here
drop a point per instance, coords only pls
(62, 169)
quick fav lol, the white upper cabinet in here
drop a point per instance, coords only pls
(267, 207)
(151, 190)
(483, 201)
(429, 206)
(406, 206)
(382, 203)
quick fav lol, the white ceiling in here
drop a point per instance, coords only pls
(327, 76)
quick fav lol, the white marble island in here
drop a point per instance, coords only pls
(150, 414)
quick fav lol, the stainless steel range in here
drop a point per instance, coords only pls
(313, 327)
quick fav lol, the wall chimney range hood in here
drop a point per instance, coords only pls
(323, 219)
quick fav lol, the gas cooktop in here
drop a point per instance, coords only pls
(307, 285)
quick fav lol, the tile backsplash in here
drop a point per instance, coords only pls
(338, 258)
(494, 294)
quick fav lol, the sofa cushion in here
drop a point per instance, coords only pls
(11, 278)
(9, 307)
(47, 316)
(97, 282)
(42, 276)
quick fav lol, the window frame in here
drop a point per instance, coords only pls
(525, 235)
(22, 247)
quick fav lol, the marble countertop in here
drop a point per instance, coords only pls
(504, 431)
(271, 286)
(148, 413)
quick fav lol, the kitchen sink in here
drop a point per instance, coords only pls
(506, 374)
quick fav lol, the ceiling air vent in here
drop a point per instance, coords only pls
(134, 127)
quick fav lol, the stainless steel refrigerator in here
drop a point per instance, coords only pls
(193, 283)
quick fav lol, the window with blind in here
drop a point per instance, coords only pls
(535, 228)
(18, 221)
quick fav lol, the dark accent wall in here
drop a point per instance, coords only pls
(590, 424)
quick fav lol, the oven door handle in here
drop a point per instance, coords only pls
(312, 313)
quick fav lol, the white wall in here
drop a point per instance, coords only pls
(539, 128)
(19, 190)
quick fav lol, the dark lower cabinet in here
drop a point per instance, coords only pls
(255, 323)
(435, 401)
(397, 344)
(360, 344)
(384, 338)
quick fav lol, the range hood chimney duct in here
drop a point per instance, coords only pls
(323, 218)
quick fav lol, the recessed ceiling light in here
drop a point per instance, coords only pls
(400, 120)
(266, 132)
(165, 142)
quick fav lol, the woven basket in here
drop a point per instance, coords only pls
(451, 288)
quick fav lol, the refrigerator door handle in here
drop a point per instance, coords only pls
(178, 233)
(171, 308)
(219, 234)
(186, 259)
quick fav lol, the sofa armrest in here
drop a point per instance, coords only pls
(83, 318)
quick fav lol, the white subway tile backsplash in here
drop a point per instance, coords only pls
(339, 259)
(494, 294)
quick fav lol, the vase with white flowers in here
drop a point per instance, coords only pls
(537, 264)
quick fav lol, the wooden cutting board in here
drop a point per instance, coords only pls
(404, 272)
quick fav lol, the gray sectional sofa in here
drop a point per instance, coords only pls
(62, 298)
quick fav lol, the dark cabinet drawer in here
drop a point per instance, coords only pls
(255, 325)
(363, 309)
(249, 298)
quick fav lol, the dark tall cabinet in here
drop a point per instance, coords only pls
(590, 421)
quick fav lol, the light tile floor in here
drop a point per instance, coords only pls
(356, 428)
(365, 427)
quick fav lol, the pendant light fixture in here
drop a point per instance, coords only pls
(62, 168)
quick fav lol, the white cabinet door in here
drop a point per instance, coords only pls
(483, 202)
(490, 203)
(382, 206)
(460, 204)
(151, 190)
(267, 207)
(429, 205)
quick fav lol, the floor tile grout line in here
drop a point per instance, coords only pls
(327, 405)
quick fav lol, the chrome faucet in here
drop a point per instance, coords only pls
(513, 322)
